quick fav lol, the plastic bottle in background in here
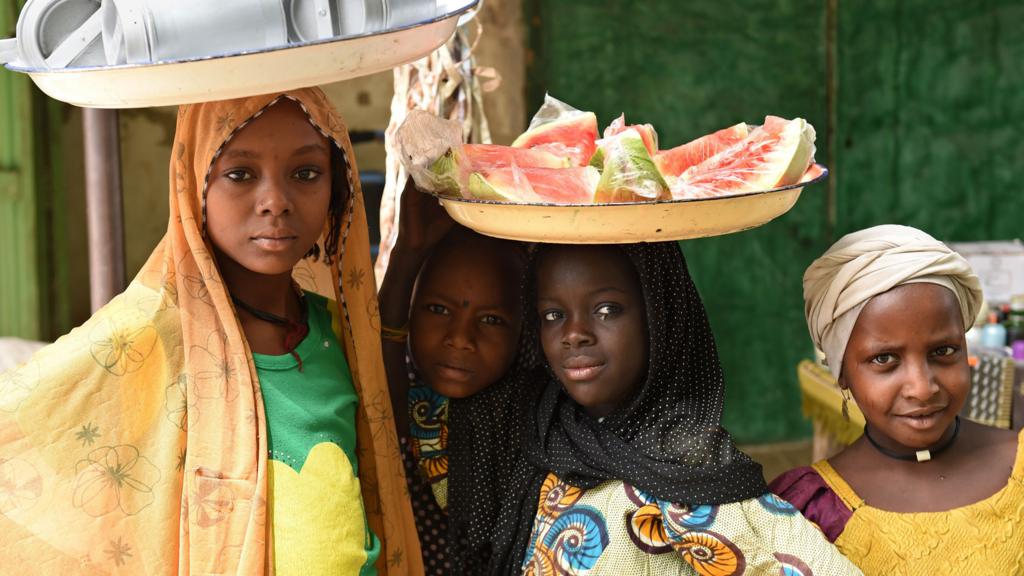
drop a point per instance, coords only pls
(1018, 350)
(993, 335)
(1015, 320)
(973, 337)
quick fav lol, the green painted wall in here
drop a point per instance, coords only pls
(925, 111)
(33, 208)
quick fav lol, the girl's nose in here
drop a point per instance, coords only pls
(919, 383)
(460, 334)
(273, 199)
(577, 333)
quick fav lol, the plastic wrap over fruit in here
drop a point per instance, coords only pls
(562, 130)
(429, 148)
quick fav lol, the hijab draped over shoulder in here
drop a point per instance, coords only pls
(667, 441)
(866, 263)
(137, 444)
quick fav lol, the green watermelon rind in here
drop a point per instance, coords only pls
(445, 172)
(803, 156)
(795, 147)
(629, 170)
(481, 189)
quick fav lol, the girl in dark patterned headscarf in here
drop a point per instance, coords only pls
(635, 475)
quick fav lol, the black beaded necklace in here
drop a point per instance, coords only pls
(295, 332)
(920, 455)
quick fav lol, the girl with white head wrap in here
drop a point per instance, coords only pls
(864, 264)
(884, 501)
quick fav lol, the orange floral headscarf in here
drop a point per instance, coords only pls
(136, 444)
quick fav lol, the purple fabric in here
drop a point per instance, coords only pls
(804, 488)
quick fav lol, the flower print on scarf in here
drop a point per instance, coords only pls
(16, 385)
(180, 412)
(120, 345)
(114, 477)
(211, 501)
(20, 485)
(118, 552)
(88, 434)
(215, 373)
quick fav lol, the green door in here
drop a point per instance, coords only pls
(33, 287)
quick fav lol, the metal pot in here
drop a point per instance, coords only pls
(310, 20)
(143, 31)
(55, 34)
(58, 34)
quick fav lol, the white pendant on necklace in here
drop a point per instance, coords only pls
(924, 455)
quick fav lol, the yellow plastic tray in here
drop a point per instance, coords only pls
(628, 222)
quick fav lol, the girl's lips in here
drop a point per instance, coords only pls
(274, 244)
(922, 420)
(582, 373)
(454, 373)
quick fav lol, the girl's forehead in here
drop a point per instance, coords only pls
(585, 263)
(923, 307)
(284, 119)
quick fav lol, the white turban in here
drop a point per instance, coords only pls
(864, 264)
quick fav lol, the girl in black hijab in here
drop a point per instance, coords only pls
(631, 471)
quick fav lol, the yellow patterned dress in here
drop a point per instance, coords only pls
(619, 530)
(982, 539)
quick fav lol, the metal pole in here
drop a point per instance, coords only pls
(103, 208)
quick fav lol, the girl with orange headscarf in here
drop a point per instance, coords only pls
(215, 418)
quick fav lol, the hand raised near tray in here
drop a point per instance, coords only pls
(422, 222)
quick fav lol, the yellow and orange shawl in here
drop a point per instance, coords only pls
(136, 444)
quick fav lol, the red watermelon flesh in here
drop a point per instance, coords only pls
(672, 163)
(536, 185)
(773, 155)
(646, 131)
(572, 138)
(451, 171)
(487, 156)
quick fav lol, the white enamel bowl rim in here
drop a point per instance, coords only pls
(221, 77)
(625, 222)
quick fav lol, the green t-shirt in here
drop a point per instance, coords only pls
(318, 524)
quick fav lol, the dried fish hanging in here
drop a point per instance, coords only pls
(448, 84)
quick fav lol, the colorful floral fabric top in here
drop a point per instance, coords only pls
(982, 539)
(428, 428)
(617, 529)
(317, 520)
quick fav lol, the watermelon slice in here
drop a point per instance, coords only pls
(561, 130)
(672, 163)
(628, 173)
(452, 170)
(536, 185)
(485, 156)
(774, 155)
(646, 131)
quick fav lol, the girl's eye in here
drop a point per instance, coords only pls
(605, 310)
(492, 320)
(551, 316)
(308, 174)
(239, 175)
(437, 309)
(883, 359)
(946, 350)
